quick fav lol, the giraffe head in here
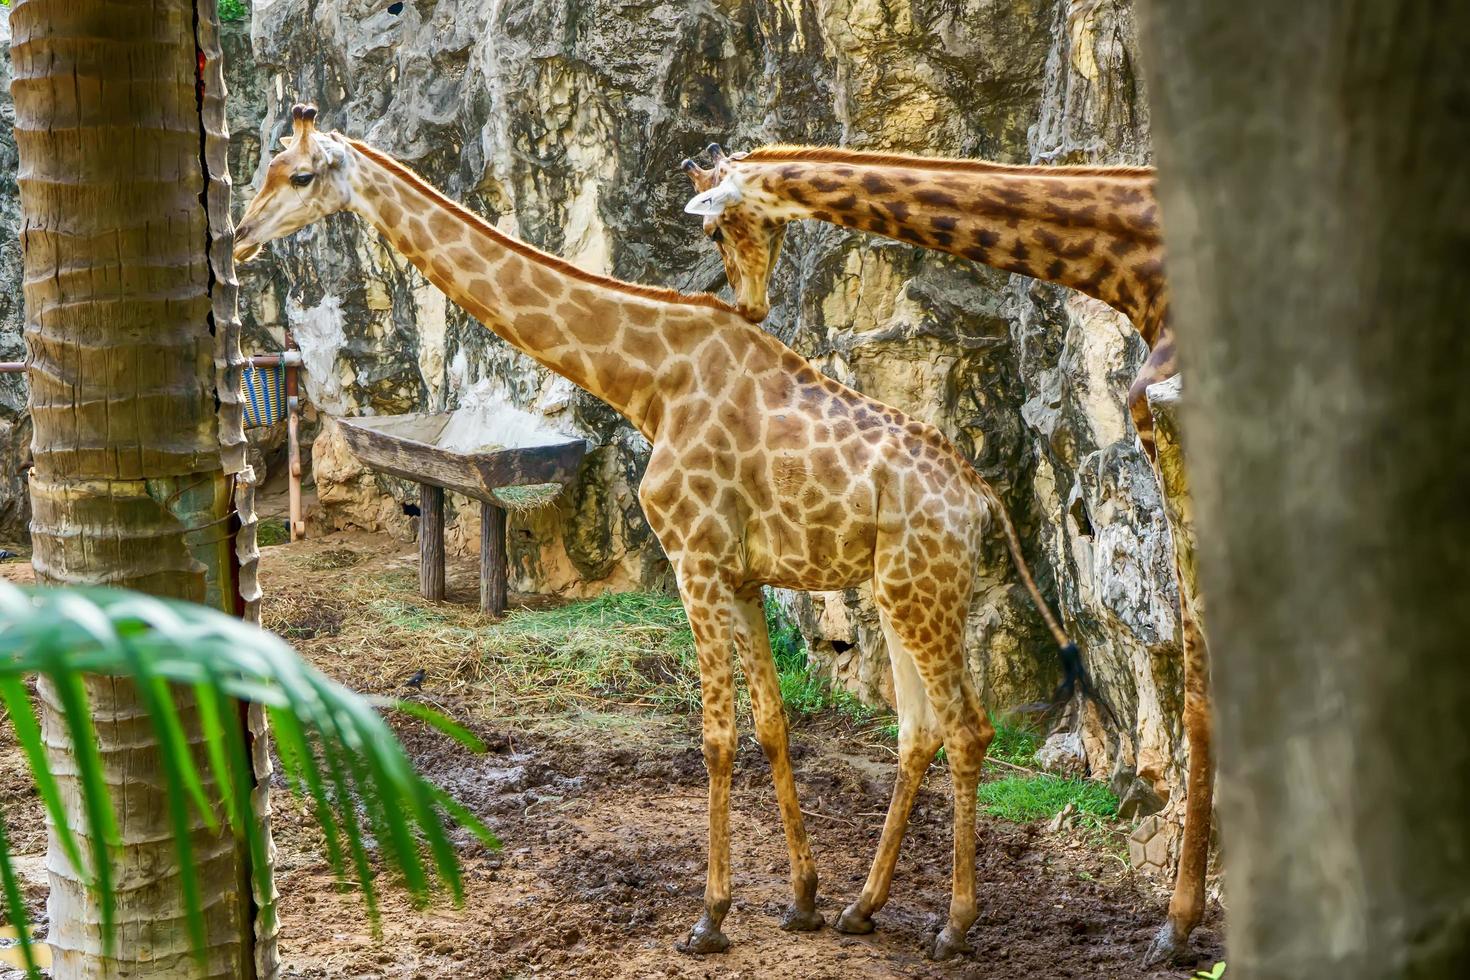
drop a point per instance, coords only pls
(746, 224)
(308, 180)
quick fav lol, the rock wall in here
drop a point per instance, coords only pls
(564, 121)
(15, 428)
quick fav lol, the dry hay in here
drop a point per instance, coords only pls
(360, 616)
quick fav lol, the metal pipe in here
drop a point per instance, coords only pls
(292, 359)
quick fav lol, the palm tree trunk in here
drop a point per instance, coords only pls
(140, 478)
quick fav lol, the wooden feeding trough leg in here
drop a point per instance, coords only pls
(420, 447)
(493, 573)
(431, 542)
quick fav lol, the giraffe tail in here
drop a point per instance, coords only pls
(1074, 673)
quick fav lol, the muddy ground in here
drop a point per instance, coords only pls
(602, 813)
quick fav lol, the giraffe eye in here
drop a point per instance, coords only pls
(717, 236)
(301, 180)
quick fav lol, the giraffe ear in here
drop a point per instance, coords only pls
(713, 202)
(335, 151)
(286, 142)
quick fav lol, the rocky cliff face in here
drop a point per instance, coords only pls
(15, 429)
(564, 122)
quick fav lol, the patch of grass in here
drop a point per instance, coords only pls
(1023, 798)
(1012, 744)
(624, 646)
(271, 532)
(408, 615)
(801, 692)
(233, 10)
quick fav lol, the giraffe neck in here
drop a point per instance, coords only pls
(617, 340)
(1093, 229)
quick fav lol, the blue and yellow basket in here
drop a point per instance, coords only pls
(263, 394)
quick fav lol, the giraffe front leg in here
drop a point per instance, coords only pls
(1187, 905)
(754, 645)
(708, 602)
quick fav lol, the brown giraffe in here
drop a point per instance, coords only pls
(762, 471)
(1093, 228)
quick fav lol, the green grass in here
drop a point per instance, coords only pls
(269, 532)
(233, 10)
(625, 646)
(1014, 745)
(1022, 798)
(802, 693)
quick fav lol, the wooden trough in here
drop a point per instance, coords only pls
(445, 451)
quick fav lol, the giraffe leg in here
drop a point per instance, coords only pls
(708, 600)
(754, 645)
(1187, 905)
(1160, 364)
(967, 734)
(918, 739)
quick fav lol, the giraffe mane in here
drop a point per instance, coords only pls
(657, 293)
(836, 154)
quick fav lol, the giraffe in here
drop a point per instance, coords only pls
(762, 472)
(1092, 228)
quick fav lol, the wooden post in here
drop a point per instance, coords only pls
(492, 558)
(431, 542)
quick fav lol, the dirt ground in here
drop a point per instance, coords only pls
(602, 814)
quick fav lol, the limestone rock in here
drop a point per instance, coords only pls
(349, 494)
(1062, 753)
(15, 427)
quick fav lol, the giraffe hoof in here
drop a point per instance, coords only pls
(854, 921)
(949, 944)
(798, 919)
(704, 938)
(1169, 947)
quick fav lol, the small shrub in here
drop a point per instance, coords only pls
(233, 10)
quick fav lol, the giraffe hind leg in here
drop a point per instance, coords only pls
(1187, 905)
(918, 739)
(967, 735)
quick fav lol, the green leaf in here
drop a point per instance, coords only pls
(28, 733)
(164, 647)
(16, 906)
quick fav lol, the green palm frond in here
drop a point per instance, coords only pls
(335, 748)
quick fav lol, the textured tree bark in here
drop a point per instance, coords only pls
(1317, 210)
(133, 349)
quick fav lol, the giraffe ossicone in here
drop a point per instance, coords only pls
(762, 472)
